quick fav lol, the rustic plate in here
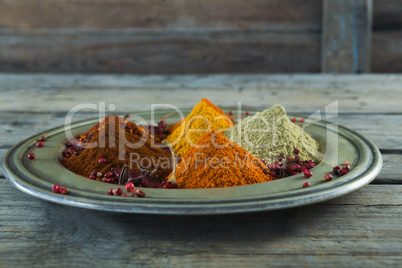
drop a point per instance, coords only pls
(37, 177)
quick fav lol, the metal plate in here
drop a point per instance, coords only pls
(37, 177)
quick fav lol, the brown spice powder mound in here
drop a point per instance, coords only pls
(114, 138)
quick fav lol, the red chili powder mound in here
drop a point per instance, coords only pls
(214, 162)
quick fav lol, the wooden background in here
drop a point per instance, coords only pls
(179, 36)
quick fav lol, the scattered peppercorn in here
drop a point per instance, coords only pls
(328, 177)
(307, 173)
(56, 188)
(306, 184)
(40, 144)
(294, 168)
(345, 170)
(130, 187)
(140, 193)
(63, 190)
(31, 156)
(118, 191)
(337, 170)
(309, 165)
(108, 174)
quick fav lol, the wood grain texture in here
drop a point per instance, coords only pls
(158, 14)
(157, 36)
(387, 37)
(143, 52)
(298, 93)
(133, 51)
(346, 40)
(360, 228)
(387, 53)
(177, 36)
(391, 172)
(387, 15)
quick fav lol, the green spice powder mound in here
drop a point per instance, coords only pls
(270, 133)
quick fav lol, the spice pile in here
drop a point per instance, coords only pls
(117, 142)
(262, 147)
(204, 117)
(270, 133)
(215, 161)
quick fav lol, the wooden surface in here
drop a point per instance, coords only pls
(360, 229)
(177, 36)
(346, 36)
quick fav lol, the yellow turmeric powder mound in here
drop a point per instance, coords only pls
(210, 104)
(204, 117)
(213, 106)
(214, 162)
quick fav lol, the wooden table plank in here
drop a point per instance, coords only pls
(189, 37)
(391, 172)
(361, 228)
(326, 233)
(181, 51)
(177, 14)
(386, 55)
(346, 41)
(386, 15)
(298, 93)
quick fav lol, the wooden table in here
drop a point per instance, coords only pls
(360, 229)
